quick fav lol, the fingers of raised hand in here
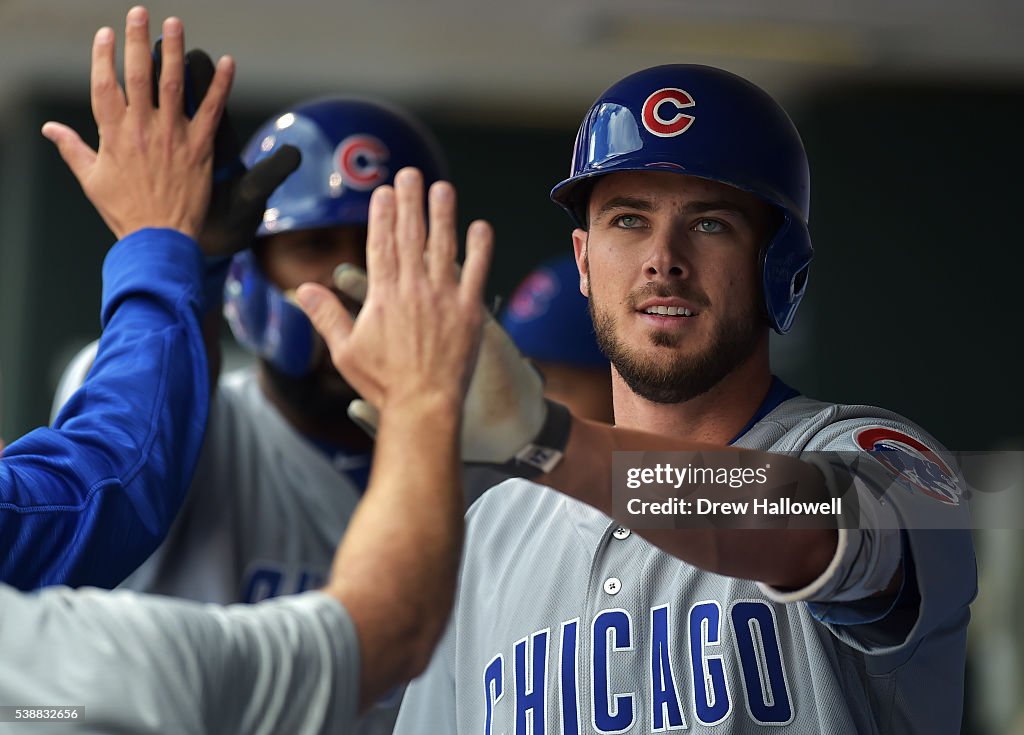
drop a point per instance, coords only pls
(479, 246)
(172, 69)
(76, 154)
(442, 244)
(108, 103)
(410, 228)
(329, 317)
(381, 258)
(207, 117)
(138, 71)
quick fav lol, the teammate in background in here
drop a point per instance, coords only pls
(547, 318)
(689, 189)
(282, 467)
(88, 500)
(308, 662)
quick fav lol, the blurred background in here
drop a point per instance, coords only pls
(910, 112)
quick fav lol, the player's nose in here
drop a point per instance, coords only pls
(665, 257)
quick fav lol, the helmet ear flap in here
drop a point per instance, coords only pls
(785, 272)
(264, 321)
(800, 281)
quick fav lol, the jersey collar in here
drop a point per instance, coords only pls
(778, 393)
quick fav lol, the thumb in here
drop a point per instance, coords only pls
(351, 281)
(329, 317)
(259, 182)
(364, 415)
(76, 154)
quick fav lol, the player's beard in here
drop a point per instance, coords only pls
(681, 377)
(321, 396)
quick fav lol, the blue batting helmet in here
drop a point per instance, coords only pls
(349, 147)
(709, 123)
(548, 320)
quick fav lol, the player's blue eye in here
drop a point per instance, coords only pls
(709, 226)
(628, 221)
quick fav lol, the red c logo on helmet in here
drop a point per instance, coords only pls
(360, 160)
(667, 127)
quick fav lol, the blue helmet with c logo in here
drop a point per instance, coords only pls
(349, 147)
(709, 123)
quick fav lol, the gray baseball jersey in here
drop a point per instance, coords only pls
(264, 513)
(567, 622)
(155, 665)
(263, 516)
(265, 510)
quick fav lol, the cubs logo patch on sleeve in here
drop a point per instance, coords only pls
(913, 463)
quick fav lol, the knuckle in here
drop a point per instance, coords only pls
(104, 84)
(136, 78)
(171, 87)
(141, 138)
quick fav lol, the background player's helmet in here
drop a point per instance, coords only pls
(349, 147)
(708, 123)
(548, 320)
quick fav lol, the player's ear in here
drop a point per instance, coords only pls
(579, 246)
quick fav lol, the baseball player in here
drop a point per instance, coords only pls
(88, 500)
(689, 189)
(548, 321)
(306, 663)
(282, 468)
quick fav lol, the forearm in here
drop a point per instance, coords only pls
(781, 557)
(400, 561)
(89, 500)
(153, 664)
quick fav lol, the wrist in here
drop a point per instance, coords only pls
(438, 407)
(543, 453)
(159, 261)
(182, 228)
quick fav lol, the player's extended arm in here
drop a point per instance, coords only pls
(781, 557)
(410, 351)
(86, 502)
(508, 422)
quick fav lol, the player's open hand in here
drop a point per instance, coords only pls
(504, 409)
(419, 330)
(153, 167)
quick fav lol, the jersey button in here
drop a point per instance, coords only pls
(612, 585)
(621, 532)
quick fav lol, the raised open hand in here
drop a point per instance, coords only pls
(153, 167)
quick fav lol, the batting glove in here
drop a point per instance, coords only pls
(506, 419)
